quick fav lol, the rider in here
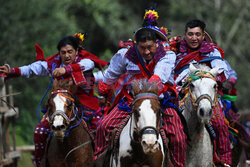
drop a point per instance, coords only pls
(193, 49)
(229, 90)
(156, 65)
(71, 60)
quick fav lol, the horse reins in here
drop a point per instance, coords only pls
(146, 129)
(77, 147)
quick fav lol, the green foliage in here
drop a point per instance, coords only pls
(26, 160)
(104, 23)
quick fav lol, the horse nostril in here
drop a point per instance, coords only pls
(62, 127)
(156, 142)
(53, 127)
(201, 112)
(144, 142)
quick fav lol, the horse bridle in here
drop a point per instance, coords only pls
(62, 113)
(146, 129)
(195, 102)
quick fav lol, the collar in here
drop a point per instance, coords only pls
(204, 48)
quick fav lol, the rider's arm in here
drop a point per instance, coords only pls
(164, 67)
(232, 74)
(83, 65)
(38, 68)
(219, 63)
(116, 68)
(87, 64)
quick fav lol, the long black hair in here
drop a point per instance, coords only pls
(68, 40)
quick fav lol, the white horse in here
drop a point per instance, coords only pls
(140, 142)
(199, 102)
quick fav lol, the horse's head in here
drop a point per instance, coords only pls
(202, 89)
(61, 106)
(146, 115)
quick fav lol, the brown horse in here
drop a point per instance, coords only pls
(70, 144)
(140, 142)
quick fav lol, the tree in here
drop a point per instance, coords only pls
(24, 23)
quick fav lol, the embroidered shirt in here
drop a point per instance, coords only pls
(120, 64)
(40, 68)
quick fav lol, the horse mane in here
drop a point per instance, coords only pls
(202, 67)
(64, 84)
(143, 86)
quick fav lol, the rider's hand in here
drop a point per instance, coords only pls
(59, 72)
(4, 69)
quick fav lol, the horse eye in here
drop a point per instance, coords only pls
(136, 113)
(191, 86)
(70, 105)
(215, 86)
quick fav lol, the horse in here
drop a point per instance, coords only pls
(70, 144)
(199, 102)
(239, 136)
(140, 142)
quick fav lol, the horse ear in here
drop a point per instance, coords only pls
(214, 71)
(136, 87)
(192, 68)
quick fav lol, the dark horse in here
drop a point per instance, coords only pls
(70, 144)
(140, 142)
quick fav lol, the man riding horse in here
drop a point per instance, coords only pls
(145, 59)
(194, 49)
(70, 61)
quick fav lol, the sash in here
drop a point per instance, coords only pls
(187, 60)
(141, 63)
(203, 60)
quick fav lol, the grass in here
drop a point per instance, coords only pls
(25, 160)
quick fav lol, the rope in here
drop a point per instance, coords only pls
(73, 126)
(87, 142)
(200, 74)
(38, 109)
(70, 98)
